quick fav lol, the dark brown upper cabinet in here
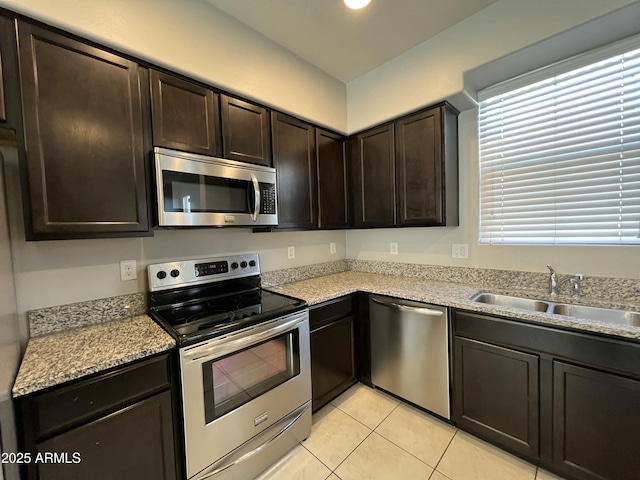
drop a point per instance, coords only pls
(427, 168)
(5, 24)
(10, 108)
(372, 178)
(186, 116)
(332, 180)
(294, 157)
(84, 118)
(246, 131)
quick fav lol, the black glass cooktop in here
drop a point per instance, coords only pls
(194, 319)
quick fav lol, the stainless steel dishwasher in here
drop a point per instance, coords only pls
(410, 351)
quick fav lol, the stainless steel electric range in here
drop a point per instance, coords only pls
(244, 362)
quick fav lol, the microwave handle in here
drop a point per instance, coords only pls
(256, 198)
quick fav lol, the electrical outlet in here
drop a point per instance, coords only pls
(393, 248)
(459, 250)
(291, 252)
(332, 247)
(128, 270)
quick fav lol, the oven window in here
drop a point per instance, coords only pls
(188, 192)
(236, 379)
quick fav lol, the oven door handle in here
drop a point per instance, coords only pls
(232, 460)
(206, 351)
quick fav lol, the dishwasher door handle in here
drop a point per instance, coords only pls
(408, 308)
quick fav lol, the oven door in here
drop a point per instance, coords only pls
(196, 190)
(236, 387)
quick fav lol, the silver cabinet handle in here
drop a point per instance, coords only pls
(408, 308)
(256, 198)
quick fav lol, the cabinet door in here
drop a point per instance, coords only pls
(135, 442)
(373, 196)
(427, 168)
(332, 361)
(246, 131)
(596, 420)
(496, 394)
(185, 116)
(85, 138)
(419, 169)
(332, 180)
(5, 24)
(294, 156)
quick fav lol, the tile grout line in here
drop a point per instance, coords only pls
(445, 452)
(351, 453)
(414, 456)
(372, 430)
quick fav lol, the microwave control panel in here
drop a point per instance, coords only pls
(268, 196)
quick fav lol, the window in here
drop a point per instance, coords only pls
(560, 153)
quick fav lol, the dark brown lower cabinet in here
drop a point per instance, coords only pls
(596, 420)
(496, 394)
(118, 424)
(568, 401)
(333, 365)
(134, 442)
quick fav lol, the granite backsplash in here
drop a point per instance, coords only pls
(82, 314)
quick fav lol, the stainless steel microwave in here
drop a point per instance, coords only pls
(200, 191)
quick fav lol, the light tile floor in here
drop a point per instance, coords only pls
(367, 435)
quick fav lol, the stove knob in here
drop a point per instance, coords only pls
(161, 275)
(243, 264)
(234, 265)
(252, 263)
(175, 273)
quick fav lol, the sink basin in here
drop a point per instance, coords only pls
(513, 302)
(610, 315)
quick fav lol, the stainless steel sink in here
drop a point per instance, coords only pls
(624, 317)
(610, 315)
(513, 302)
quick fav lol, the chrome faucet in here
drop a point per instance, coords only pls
(554, 284)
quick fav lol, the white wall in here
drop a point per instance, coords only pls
(194, 38)
(434, 70)
(68, 271)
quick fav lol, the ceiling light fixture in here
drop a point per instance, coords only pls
(356, 4)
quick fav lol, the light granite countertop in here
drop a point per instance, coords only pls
(322, 289)
(71, 354)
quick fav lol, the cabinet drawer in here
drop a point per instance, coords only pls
(61, 408)
(328, 312)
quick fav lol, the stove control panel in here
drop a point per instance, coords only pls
(193, 272)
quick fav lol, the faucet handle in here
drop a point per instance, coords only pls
(575, 284)
(551, 269)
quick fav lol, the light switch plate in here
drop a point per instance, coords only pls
(393, 248)
(291, 252)
(332, 247)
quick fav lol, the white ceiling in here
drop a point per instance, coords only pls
(349, 43)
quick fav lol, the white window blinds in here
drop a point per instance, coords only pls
(560, 158)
